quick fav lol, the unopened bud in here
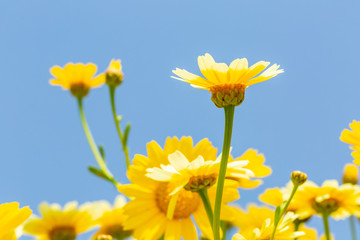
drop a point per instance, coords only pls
(351, 173)
(113, 74)
(298, 178)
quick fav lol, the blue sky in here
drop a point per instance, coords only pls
(295, 119)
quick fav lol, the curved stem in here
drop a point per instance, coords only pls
(352, 227)
(229, 117)
(283, 209)
(205, 199)
(91, 141)
(124, 147)
(326, 225)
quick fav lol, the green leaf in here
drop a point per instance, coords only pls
(99, 173)
(126, 133)
(102, 151)
(277, 215)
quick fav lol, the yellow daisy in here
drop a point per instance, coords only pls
(284, 231)
(78, 78)
(66, 223)
(330, 199)
(353, 138)
(11, 217)
(196, 175)
(227, 83)
(114, 74)
(148, 207)
(351, 174)
(111, 221)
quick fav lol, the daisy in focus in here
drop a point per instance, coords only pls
(78, 78)
(11, 217)
(227, 83)
(112, 219)
(198, 174)
(65, 224)
(147, 211)
(352, 137)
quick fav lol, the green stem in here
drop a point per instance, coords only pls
(205, 199)
(352, 227)
(283, 210)
(224, 228)
(297, 226)
(229, 117)
(91, 141)
(326, 225)
(122, 140)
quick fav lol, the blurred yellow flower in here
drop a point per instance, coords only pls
(114, 75)
(78, 78)
(196, 175)
(256, 165)
(351, 174)
(227, 83)
(284, 231)
(11, 217)
(112, 219)
(331, 199)
(148, 207)
(66, 223)
(353, 138)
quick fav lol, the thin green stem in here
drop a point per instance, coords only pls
(224, 228)
(205, 199)
(121, 136)
(91, 141)
(352, 227)
(297, 226)
(326, 225)
(283, 210)
(229, 117)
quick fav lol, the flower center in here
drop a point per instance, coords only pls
(197, 183)
(79, 90)
(326, 206)
(117, 232)
(228, 94)
(62, 233)
(187, 202)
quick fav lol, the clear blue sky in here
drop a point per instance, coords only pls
(295, 119)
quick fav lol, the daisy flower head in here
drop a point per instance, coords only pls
(114, 75)
(227, 83)
(338, 201)
(11, 217)
(112, 219)
(148, 214)
(198, 174)
(78, 78)
(62, 223)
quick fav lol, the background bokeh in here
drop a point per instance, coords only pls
(295, 119)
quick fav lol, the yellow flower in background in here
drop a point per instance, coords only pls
(112, 220)
(196, 175)
(353, 138)
(276, 196)
(284, 229)
(351, 174)
(114, 75)
(256, 165)
(227, 83)
(332, 199)
(11, 217)
(148, 208)
(78, 78)
(66, 223)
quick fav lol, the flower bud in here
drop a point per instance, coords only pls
(298, 178)
(228, 95)
(114, 75)
(350, 174)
